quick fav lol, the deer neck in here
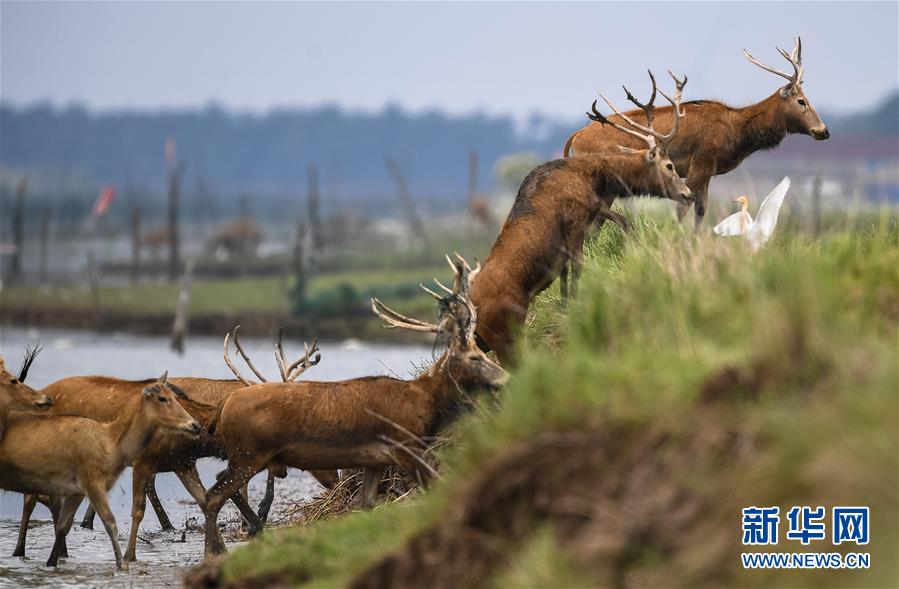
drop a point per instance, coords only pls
(619, 176)
(447, 401)
(131, 433)
(760, 126)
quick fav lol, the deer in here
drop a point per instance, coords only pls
(73, 457)
(556, 204)
(103, 398)
(716, 137)
(352, 423)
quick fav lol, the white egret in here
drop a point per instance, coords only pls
(757, 232)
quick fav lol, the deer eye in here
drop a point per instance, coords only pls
(163, 400)
(801, 102)
(670, 167)
(13, 381)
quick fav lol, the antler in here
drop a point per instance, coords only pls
(458, 294)
(794, 57)
(646, 132)
(289, 373)
(394, 319)
(30, 354)
(246, 358)
(465, 278)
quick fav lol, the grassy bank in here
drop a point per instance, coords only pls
(689, 380)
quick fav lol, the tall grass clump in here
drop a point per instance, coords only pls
(689, 379)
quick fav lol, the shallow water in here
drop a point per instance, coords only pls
(163, 556)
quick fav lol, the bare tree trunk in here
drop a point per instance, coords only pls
(182, 310)
(46, 218)
(175, 176)
(299, 272)
(135, 245)
(18, 232)
(418, 228)
(315, 223)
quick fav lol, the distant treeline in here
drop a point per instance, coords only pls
(268, 154)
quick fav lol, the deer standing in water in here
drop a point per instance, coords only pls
(715, 137)
(103, 399)
(73, 457)
(556, 204)
(352, 423)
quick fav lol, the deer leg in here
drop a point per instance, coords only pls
(266, 504)
(54, 504)
(140, 478)
(616, 218)
(229, 482)
(190, 478)
(161, 515)
(251, 521)
(698, 183)
(371, 478)
(87, 521)
(563, 283)
(63, 525)
(29, 502)
(326, 478)
(577, 264)
(97, 495)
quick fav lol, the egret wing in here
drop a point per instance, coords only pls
(736, 224)
(766, 219)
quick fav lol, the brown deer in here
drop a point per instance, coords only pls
(716, 137)
(103, 399)
(555, 205)
(70, 457)
(352, 423)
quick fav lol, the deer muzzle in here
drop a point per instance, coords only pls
(820, 133)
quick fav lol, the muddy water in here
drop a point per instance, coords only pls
(163, 556)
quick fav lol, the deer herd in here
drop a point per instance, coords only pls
(75, 437)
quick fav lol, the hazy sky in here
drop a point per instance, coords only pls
(499, 57)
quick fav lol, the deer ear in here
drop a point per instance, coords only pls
(628, 149)
(787, 91)
(2, 364)
(162, 379)
(178, 391)
(151, 390)
(650, 156)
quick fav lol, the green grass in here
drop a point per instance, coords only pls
(223, 296)
(809, 324)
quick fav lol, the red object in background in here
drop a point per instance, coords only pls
(101, 205)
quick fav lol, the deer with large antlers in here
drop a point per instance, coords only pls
(715, 138)
(365, 422)
(73, 457)
(556, 204)
(104, 399)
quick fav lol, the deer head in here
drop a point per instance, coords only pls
(463, 361)
(655, 157)
(797, 110)
(161, 408)
(14, 393)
